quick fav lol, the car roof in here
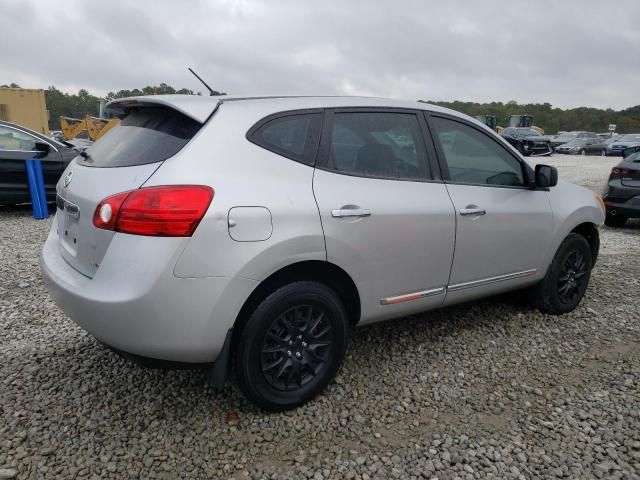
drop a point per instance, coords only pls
(201, 107)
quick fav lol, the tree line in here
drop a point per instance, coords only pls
(553, 120)
(77, 105)
(544, 115)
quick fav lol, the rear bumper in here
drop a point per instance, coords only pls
(142, 308)
(623, 210)
(622, 200)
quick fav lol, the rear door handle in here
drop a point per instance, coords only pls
(472, 211)
(350, 212)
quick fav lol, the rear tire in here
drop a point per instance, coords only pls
(292, 346)
(615, 220)
(567, 278)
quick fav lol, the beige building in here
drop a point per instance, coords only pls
(25, 107)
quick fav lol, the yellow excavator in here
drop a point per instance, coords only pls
(522, 121)
(490, 121)
(88, 127)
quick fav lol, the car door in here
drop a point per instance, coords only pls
(16, 146)
(502, 224)
(387, 220)
(594, 146)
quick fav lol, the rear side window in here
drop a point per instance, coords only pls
(378, 144)
(294, 136)
(145, 135)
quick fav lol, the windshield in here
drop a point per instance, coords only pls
(634, 137)
(525, 132)
(576, 141)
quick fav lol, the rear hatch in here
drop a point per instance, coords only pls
(122, 160)
(631, 172)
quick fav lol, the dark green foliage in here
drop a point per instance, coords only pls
(552, 119)
(83, 103)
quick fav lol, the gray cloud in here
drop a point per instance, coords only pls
(570, 53)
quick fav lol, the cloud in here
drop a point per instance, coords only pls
(570, 53)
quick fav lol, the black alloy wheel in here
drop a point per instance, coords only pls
(291, 346)
(572, 277)
(567, 278)
(296, 348)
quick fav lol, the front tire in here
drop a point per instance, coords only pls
(292, 346)
(567, 278)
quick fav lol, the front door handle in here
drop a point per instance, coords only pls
(350, 212)
(472, 210)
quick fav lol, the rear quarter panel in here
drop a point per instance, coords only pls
(243, 174)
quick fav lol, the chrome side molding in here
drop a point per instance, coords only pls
(412, 296)
(489, 280)
(455, 287)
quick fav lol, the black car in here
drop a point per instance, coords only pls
(528, 141)
(622, 196)
(18, 144)
(583, 146)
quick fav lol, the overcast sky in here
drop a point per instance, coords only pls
(569, 53)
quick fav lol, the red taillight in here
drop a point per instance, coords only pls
(620, 172)
(167, 211)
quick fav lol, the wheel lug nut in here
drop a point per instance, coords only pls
(299, 337)
(298, 355)
(305, 344)
(288, 353)
(290, 342)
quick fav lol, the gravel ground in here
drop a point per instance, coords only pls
(491, 389)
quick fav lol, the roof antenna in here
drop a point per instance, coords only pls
(212, 92)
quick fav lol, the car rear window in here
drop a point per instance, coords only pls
(145, 135)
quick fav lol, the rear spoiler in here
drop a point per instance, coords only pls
(193, 106)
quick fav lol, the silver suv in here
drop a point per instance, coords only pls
(256, 232)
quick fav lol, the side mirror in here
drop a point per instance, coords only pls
(42, 149)
(546, 176)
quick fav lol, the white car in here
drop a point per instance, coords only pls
(204, 230)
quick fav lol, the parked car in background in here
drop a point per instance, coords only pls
(583, 146)
(564, 137)
(263, 229)
(528, 141)
(622, 195)
(622, 143)
(18, 144)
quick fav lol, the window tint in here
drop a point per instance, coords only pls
(294, 136)
(11, 139)
(145, 135)
(385, 145)
(473, 157)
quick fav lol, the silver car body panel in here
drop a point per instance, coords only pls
(404, 246)
(410, 249)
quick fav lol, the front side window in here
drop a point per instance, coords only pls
(11, 139)
(294, 136)
(473, 157)
(378, 144)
